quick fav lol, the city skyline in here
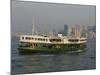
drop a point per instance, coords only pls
(49, 16)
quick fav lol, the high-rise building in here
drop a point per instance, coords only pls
(84, 31)
(54, 32)
(73, 31)
(65, 29)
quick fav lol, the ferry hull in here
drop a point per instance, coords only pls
(64, 49)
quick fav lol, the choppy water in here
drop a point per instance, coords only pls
(35, 63)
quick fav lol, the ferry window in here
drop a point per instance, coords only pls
(46, 39)
(43, 39)
(32, 38)
(73, 40)
(22, 37)
(38, 38)
(59, 40)
(82, 40)
(28, 38)
(35, 38)
(55, 40)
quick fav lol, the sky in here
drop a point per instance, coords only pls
(48, 16)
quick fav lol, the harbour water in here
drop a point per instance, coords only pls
(36, 63)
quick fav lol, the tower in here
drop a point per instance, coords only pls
(33, 28)
(65, 29)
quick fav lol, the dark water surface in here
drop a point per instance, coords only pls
(35, 63)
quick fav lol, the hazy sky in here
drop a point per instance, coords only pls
(48, 16)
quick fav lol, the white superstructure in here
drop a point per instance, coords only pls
(52, 40)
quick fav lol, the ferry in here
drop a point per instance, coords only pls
(36, 43)
(50, 44)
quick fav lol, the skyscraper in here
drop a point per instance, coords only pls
(65, 29)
